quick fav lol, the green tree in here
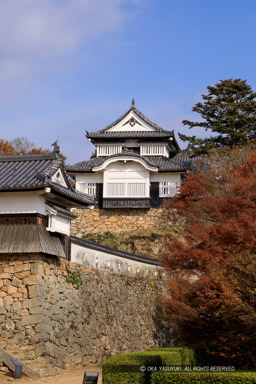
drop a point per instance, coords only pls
(229, 112)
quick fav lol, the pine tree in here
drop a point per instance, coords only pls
(229, 112)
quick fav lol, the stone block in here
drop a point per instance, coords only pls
(23, 290)
(5, 276)
(3, 312)
(26, 267)
(10, 325)
(18, 338)
(22, 275)
(35, 310)
(30, 320)
(12, 290)
(16, 306)
(37, 338)
(40, 349)
(37, 269)
(35, 302)
(7, 300)
(16, 282)
(31, 280)
(51, 350)
(35, 290)
(9, 269)
(18, 268)
(23, 313)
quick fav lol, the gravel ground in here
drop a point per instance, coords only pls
(66, 376)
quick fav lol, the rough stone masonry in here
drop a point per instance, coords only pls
(121, 220)
(74, 315)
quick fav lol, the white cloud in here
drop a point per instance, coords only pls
(38, 33)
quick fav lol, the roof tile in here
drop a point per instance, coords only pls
(34, 172)
(164, 164)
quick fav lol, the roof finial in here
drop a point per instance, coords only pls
(133, 103)
(56, 147)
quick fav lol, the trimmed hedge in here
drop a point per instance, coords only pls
(124, 369)
(119, 369)
(175, 355)
(203, 378)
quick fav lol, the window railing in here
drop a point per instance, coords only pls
(115, 189)
(153, 149)
(168, 188)
(87, 188)
(125, 190)
(108, 149)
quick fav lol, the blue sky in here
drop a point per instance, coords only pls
(67, 66)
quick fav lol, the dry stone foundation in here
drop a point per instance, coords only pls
(73, 315)
(121, 220)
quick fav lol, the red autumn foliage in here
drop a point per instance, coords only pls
(212, 284)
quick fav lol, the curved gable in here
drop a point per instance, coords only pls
(124, 159)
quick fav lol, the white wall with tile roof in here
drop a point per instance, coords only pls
(89, 178)
(22, 202)
(109, 262)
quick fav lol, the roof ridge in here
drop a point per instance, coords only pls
(44, 156)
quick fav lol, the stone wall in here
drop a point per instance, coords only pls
(76, 318)
(120, 220)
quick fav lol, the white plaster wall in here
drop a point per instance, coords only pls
(108, 262)
(22, 202)
(122, 127)
(59, 224)
(89, 178)
(125, 172)
(121, 169)
(168, 176)
(131, 143)
(58, 178)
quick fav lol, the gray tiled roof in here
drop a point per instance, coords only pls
(26, 171)
(34, 172)
(72, 193)
(61, 210)
(186, 160)
(130, 134)
(113, 251)
(157, 132)
(139, 114)
(164, 164)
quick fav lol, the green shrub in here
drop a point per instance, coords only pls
(124, 369)
(203, 378)
(175, 355)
